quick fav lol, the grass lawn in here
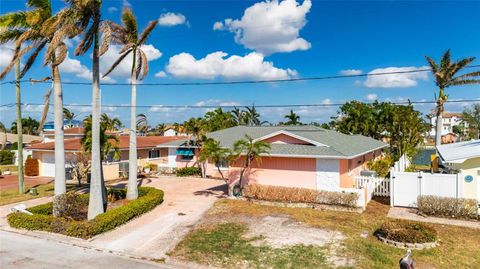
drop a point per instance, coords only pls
(223, 245)
(12, 195)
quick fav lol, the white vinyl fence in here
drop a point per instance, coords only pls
(376, 186)
(407, 186)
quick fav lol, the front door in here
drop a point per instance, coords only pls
(328, 174)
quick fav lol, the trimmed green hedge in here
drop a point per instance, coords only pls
(407, 231)
(42, 218)
(189, 171)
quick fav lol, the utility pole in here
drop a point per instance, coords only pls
(21, 184)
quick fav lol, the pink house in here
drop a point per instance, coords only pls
(300, 156)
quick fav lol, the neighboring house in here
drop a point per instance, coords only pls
(449, 120)
(465, 157)
(147, 151)
(49, 126)
(300, 156)
(7, 140)
(449, 138)
(171, 130)
(68, 133)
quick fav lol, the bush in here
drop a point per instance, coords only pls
(115, 194)
(6, 157)
(407, 231)
(381, 166)
(448, 207)
(31, 167)
(299, 195)
(189, 171)
(42, 219)
(152, 166)
(71, 205)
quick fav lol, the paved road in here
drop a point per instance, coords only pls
(21, 251)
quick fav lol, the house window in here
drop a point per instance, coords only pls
(155, 153)
(223, 164)
(186, 157)
(186, 154)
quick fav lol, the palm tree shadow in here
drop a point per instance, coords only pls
(219, 191)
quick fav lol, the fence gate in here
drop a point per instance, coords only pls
(405, 189)
(376, 186)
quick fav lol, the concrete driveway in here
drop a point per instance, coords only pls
(155, 233)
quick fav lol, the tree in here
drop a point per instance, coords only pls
(472, 117)
(251, 151)
(83, 17)
(80, 164)
(141, 124)
(212, 150)
(445, 74)
(29, 126)
(238, 116)
(69, 116)
(218, 119)
(252, 117)
(293, 119)
(159, 129)
(128, 36)
(111, 124)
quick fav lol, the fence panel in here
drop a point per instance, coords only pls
(405, 189)
(376, 186)
(444, 185)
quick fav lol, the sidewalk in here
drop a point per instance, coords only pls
(410, 214)
(5, 209)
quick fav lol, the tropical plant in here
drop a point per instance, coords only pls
(252, 117)
(445, 75)
(141, 124)
(248, 150)
(127, 35)
(110, 124)
(472, 117)
(195, 128)
(29, 126)
(69, 116)
(293, 119)
(213, 151)
(37, 28)
(108, 142)
(218, 119)
(159, 129)
(238, 116)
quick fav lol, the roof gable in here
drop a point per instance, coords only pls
(288, 138)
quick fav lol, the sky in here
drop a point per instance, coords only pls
(205, 41)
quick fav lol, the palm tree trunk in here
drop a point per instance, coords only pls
(439, 125)
(21, 184)
(60, 186)
(95, 204)
(132, 192)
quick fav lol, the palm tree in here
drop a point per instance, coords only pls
(252, 117)
(445, 76)
(293, 119)
(128, 36)
(251, 151)
(69, 116)
(111, 124)
(83, 17)
(160, 129)
(238, 116)
(141, 125)
(212, 150)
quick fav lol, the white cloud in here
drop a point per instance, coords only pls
(6, 54)
(214, 65)
(125, 3)
(371, 97)
(171, 19)
(401, 80)
(351, 72)
(270, 26)
(161, 74)
(112, 10)
(74, 66)
(125, 67)
(216, 102)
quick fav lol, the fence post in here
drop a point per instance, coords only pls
(392, 178)
(420, 181)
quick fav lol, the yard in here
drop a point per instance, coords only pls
(241, 234)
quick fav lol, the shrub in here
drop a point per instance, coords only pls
(299, 195)
(448, 207)
(71, 205)
(152, 166)
(31, 167)
(407, 231)
(188, 171)
(381, 166)
(6, 157)
(42, 219)
(114, 194)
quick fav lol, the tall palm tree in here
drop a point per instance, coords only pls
(293, 119)
(252, 117)
(160, 129)
(141, 124)
(212, 150)
(445, 74)
(238, 116)
(251, 151)
(83, 17)
(111, 124)
(127, 35)
(69, 116)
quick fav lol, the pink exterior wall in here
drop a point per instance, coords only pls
(279, 171)
(351, 168)
(285, 139)
(186, 163)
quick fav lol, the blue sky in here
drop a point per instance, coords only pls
(251, 40)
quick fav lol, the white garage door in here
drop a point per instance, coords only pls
(328, 174)
(48, 165)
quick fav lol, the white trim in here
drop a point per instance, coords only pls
(292, 135)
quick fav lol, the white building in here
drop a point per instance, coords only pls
(448, 121)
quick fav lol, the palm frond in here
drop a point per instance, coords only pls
(14, 20)
(117, 62)
(456, 82)
(147, 31)
(143, 56)
(469, 75)
(445, 62)
(46, 105)
(130, 22)
(87, 40)
(61, 54)
(18, 53)
(462, 63)
(40, 4)
(10, 35)
(432, 64)
(139, 61)
(31, 59)
(126, 47)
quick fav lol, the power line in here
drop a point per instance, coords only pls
(244, 81)
(232, 106)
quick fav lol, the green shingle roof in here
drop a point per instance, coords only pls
(337, 145)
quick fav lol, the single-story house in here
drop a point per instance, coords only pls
(465, 157)
(300, 156)
(147, 152)
(7, 140)
(68, 133)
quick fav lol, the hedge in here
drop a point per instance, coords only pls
(31, 167)
(42, 218)
(189, 171)
(448, 207)
(407, 232)
(299, 195)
